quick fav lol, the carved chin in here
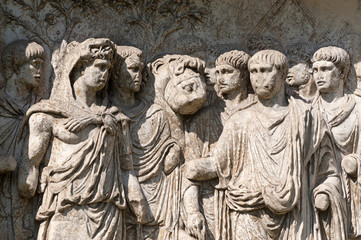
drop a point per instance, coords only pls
(263, 93)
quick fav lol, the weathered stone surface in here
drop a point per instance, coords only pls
(195, 119)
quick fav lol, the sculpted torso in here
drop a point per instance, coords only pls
(112, 158)
(64, 141)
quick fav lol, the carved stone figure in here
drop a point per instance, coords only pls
(299, 77)
(126, 81)
(203, 130)
(341, 111)
(158, 137)
(264, 158)
(22, 61)
(82, 149)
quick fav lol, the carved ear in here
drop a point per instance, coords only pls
(154, 66)
(342, 72)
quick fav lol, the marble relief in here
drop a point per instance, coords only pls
(153, 120)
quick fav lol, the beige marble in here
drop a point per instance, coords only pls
(199, 119)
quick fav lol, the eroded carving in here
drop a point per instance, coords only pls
(261, 171)
(299, 76)
(203, 131)
(48, 21)
(85, 177)
(22, 61)
(330, 68)
(159, 19)
(127, 147)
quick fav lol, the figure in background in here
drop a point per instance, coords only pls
(299, 78)
(84, 146)
(158, 138)
(341, 111)
(203, 130)
(153, 149)
(22, 61)
(264, 159)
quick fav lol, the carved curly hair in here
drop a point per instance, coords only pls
(235, 58)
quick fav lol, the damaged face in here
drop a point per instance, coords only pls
(186, 91)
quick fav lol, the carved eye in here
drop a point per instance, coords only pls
(103, 67)
(188, 88)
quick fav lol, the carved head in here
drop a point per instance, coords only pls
(299, 59)
(79, 61)
(23, 60)
(93, 65)
(128, 67)
(231, 72)
(330, 68)
(268, 70)
(180, 82)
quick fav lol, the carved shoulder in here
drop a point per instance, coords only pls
(41, 122)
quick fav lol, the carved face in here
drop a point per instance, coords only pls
(30, 72)
(131, 74)
(266, 80)
(298, 74)
(229, 79)
(327, 76)
(96, 75)
(185, 93)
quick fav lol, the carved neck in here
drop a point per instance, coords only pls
(334, 95)
(277, 102)
(84, 94)
(308, 90)
(122, 98)
(17, 90)
(235, 98)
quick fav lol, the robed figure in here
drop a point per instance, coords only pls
(278, 178)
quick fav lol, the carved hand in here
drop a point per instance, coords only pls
(201, 169)
(172, 159)
(196, 225)
(349, 164)
(322, 201)
(75, 125)
(110, 123)
(7, 164)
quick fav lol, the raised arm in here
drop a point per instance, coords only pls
(40, 131)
